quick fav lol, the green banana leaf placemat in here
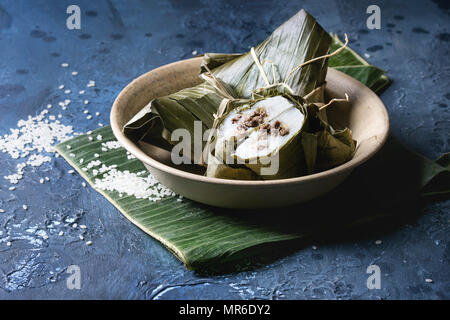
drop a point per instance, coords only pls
(349, 62)
(387, 187)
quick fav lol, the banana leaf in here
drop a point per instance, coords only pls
(332, 150)
(197, 235)
(325, 147)
(217, 168)
(206, 238)
(435, 175)
(349, 62)
(296, 41)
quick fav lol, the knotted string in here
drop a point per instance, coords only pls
(228, 98)
(334, 100)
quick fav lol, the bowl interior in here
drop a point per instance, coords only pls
(365, 115)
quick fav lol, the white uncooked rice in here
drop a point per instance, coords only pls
(133, 184)
(31, 139)
(93, 163)
(111, 145)
(35, 137)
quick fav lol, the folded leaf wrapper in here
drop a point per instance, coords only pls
(296, 41)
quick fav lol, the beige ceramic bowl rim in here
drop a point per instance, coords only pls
(142, 156)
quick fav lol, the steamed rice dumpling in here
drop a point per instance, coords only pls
(262, 137)
(296, 41)
(265, 108)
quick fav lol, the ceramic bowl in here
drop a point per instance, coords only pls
(365, 115)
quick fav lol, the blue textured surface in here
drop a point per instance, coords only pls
(120, 40)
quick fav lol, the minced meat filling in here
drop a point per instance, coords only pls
(256, 119)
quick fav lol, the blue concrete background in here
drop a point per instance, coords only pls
(120, 40)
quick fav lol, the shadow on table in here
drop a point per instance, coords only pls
(379, 197)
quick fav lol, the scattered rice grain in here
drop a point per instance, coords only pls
(131, 184)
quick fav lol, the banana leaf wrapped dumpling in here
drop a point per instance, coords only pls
(277, 136)
(297, 40)
(260, 103)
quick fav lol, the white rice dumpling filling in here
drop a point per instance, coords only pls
(261, 130)
(272, 135)
(240, 119)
